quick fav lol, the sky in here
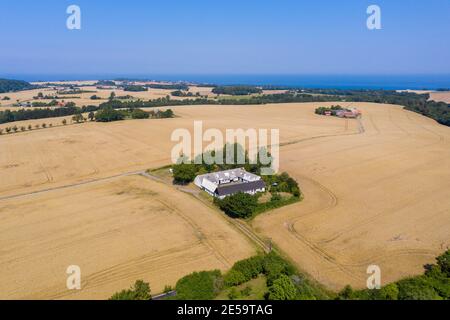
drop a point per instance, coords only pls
(224, 37)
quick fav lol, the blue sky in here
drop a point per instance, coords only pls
(224, 37)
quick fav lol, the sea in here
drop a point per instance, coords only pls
(386, 82)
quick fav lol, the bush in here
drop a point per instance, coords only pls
(250, 268)
(139, 114)
(282, 289)
(199, 285)
(234, 278)
(233, 294)
(247, 291)
(443, 262)
(274, 266)
(184, 173)
(140, 291)
(389, 292)
(346, 294)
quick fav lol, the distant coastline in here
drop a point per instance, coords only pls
(387, 82)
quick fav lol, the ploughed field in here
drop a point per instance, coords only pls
(376, 192)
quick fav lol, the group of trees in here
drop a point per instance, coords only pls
(139, 291)
(108, 83)
(175, 86)
(239, 205)
(237, 90)
(180, 93)
(109, 114)
(7, 85)
(203, 285)
(134, 88)
(53, 103)
(15, 129)
(282, 279)
(41, 113)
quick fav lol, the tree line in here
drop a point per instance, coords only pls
(7, 85)
(236, 90)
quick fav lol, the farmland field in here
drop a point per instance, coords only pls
(376, 192)
(117, 231)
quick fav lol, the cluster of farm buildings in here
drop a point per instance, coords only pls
(344, 113)
(226, 183)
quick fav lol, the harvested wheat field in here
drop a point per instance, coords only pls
(443, 96)
(116, 230)
(376, 192)
(380, 196)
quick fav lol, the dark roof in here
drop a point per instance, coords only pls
(231, 188)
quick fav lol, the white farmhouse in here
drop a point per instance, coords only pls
(225, 183)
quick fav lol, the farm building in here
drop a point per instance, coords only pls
(225, 183)
(348, 113)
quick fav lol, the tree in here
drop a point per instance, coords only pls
(139, 114)
(282, 289)
(443, 262)
(112, 96)
(234, 278)
(239, 205)
(139, 291)
(389, 292)
(199, 285)
(78, 118)
(184, 173)
(346, 294)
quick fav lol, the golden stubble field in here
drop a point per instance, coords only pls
(117, 231)
(380, 195)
